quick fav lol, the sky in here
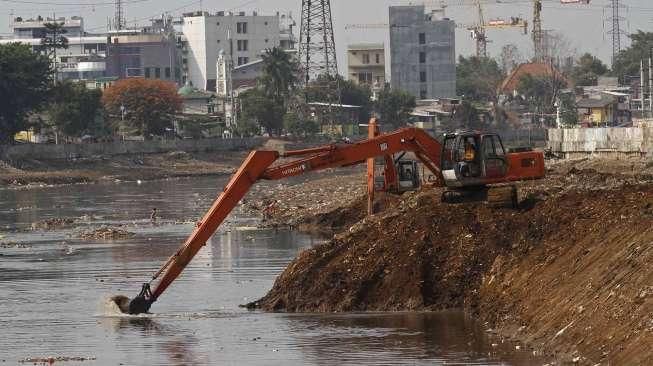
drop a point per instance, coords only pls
(585, 26)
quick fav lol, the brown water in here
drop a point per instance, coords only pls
(53, 293)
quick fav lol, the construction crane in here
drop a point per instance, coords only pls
(464, 162)
(479, 30)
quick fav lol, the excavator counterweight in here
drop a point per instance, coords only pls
(471, 160)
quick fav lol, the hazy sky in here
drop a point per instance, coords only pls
(583, 25)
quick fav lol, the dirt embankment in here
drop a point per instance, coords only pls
(569, 273)
(119, 168)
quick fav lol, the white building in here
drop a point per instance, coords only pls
(83, 59)
(241, 37)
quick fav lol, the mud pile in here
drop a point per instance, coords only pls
(570, 272)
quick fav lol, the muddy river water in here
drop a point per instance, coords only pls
(53, 289)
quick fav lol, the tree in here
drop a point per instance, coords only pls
(394, 106)
(467, 116)
(587, 70)
(478, 78)
(261, 110)
(73, 109)
(510, 58)
(276, 84)
(350, 93)
(23, 86)
(298, 126)
(148, 106)
(568, 110)
(628, 60)
(279, 73)
(53, 41)
(541, 92)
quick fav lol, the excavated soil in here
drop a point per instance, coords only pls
(569, 273)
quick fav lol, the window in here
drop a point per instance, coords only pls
(422, 38)
(241, 27)
(266, 23)
(218, 41)
(218, 24)
(167, 73)
(243, 45)
(177, 72)
(422, 57)
(243, 60)
(422, 94)
(422, 76)
(157, 72)
(378, 58)
(366, 58)
(365, 78)
(63, 59)
(147, 73)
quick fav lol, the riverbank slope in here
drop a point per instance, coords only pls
(569, 273)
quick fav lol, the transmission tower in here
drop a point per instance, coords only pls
(615, 30)
(119, 18)
(538, 35)
(317, 49)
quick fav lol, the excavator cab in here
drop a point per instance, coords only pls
(472, 159)
(407, 175)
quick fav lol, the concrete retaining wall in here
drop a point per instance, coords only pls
(76, 151)
(604, 142)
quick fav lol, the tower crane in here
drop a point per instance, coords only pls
(478, 30)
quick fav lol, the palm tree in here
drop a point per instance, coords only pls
(279, 74)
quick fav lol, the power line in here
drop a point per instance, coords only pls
(67, 4)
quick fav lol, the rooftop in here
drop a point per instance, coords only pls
(365, 46)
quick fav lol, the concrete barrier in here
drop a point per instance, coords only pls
(77, 151)
(603, 142)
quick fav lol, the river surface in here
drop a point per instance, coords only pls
(53, 291)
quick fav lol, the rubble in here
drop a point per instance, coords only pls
(53, 223)
(52, 359)
(106, 233)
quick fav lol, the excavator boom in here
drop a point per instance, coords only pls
(261, 165)
(258, 165)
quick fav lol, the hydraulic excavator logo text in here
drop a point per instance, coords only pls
(384, 146)
(295, 170)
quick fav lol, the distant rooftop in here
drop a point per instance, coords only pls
(365, 46)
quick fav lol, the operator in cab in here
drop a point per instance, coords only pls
(469, 166)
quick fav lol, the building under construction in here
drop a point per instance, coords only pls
(423, 52)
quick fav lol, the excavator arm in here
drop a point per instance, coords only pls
(259, 165)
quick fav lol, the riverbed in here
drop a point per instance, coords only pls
(53, 290)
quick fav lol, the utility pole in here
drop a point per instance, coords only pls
(642, 86)
(650, 86)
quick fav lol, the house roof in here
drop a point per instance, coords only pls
(365, 46)
(601, 102)
(511, 82)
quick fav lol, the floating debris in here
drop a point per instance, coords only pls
(106, 233)
(52, 359)
(53, 223)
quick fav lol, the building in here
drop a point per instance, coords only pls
(423, 52)
(84, 58)
(241, 37)
(603, 109)
(133, 53)
(366, 64)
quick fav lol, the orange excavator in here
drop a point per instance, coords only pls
(464, 161)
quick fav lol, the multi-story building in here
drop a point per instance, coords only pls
(83, 59)
(240, 37)
(366, 65)
(423, 52)
(148, 55)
